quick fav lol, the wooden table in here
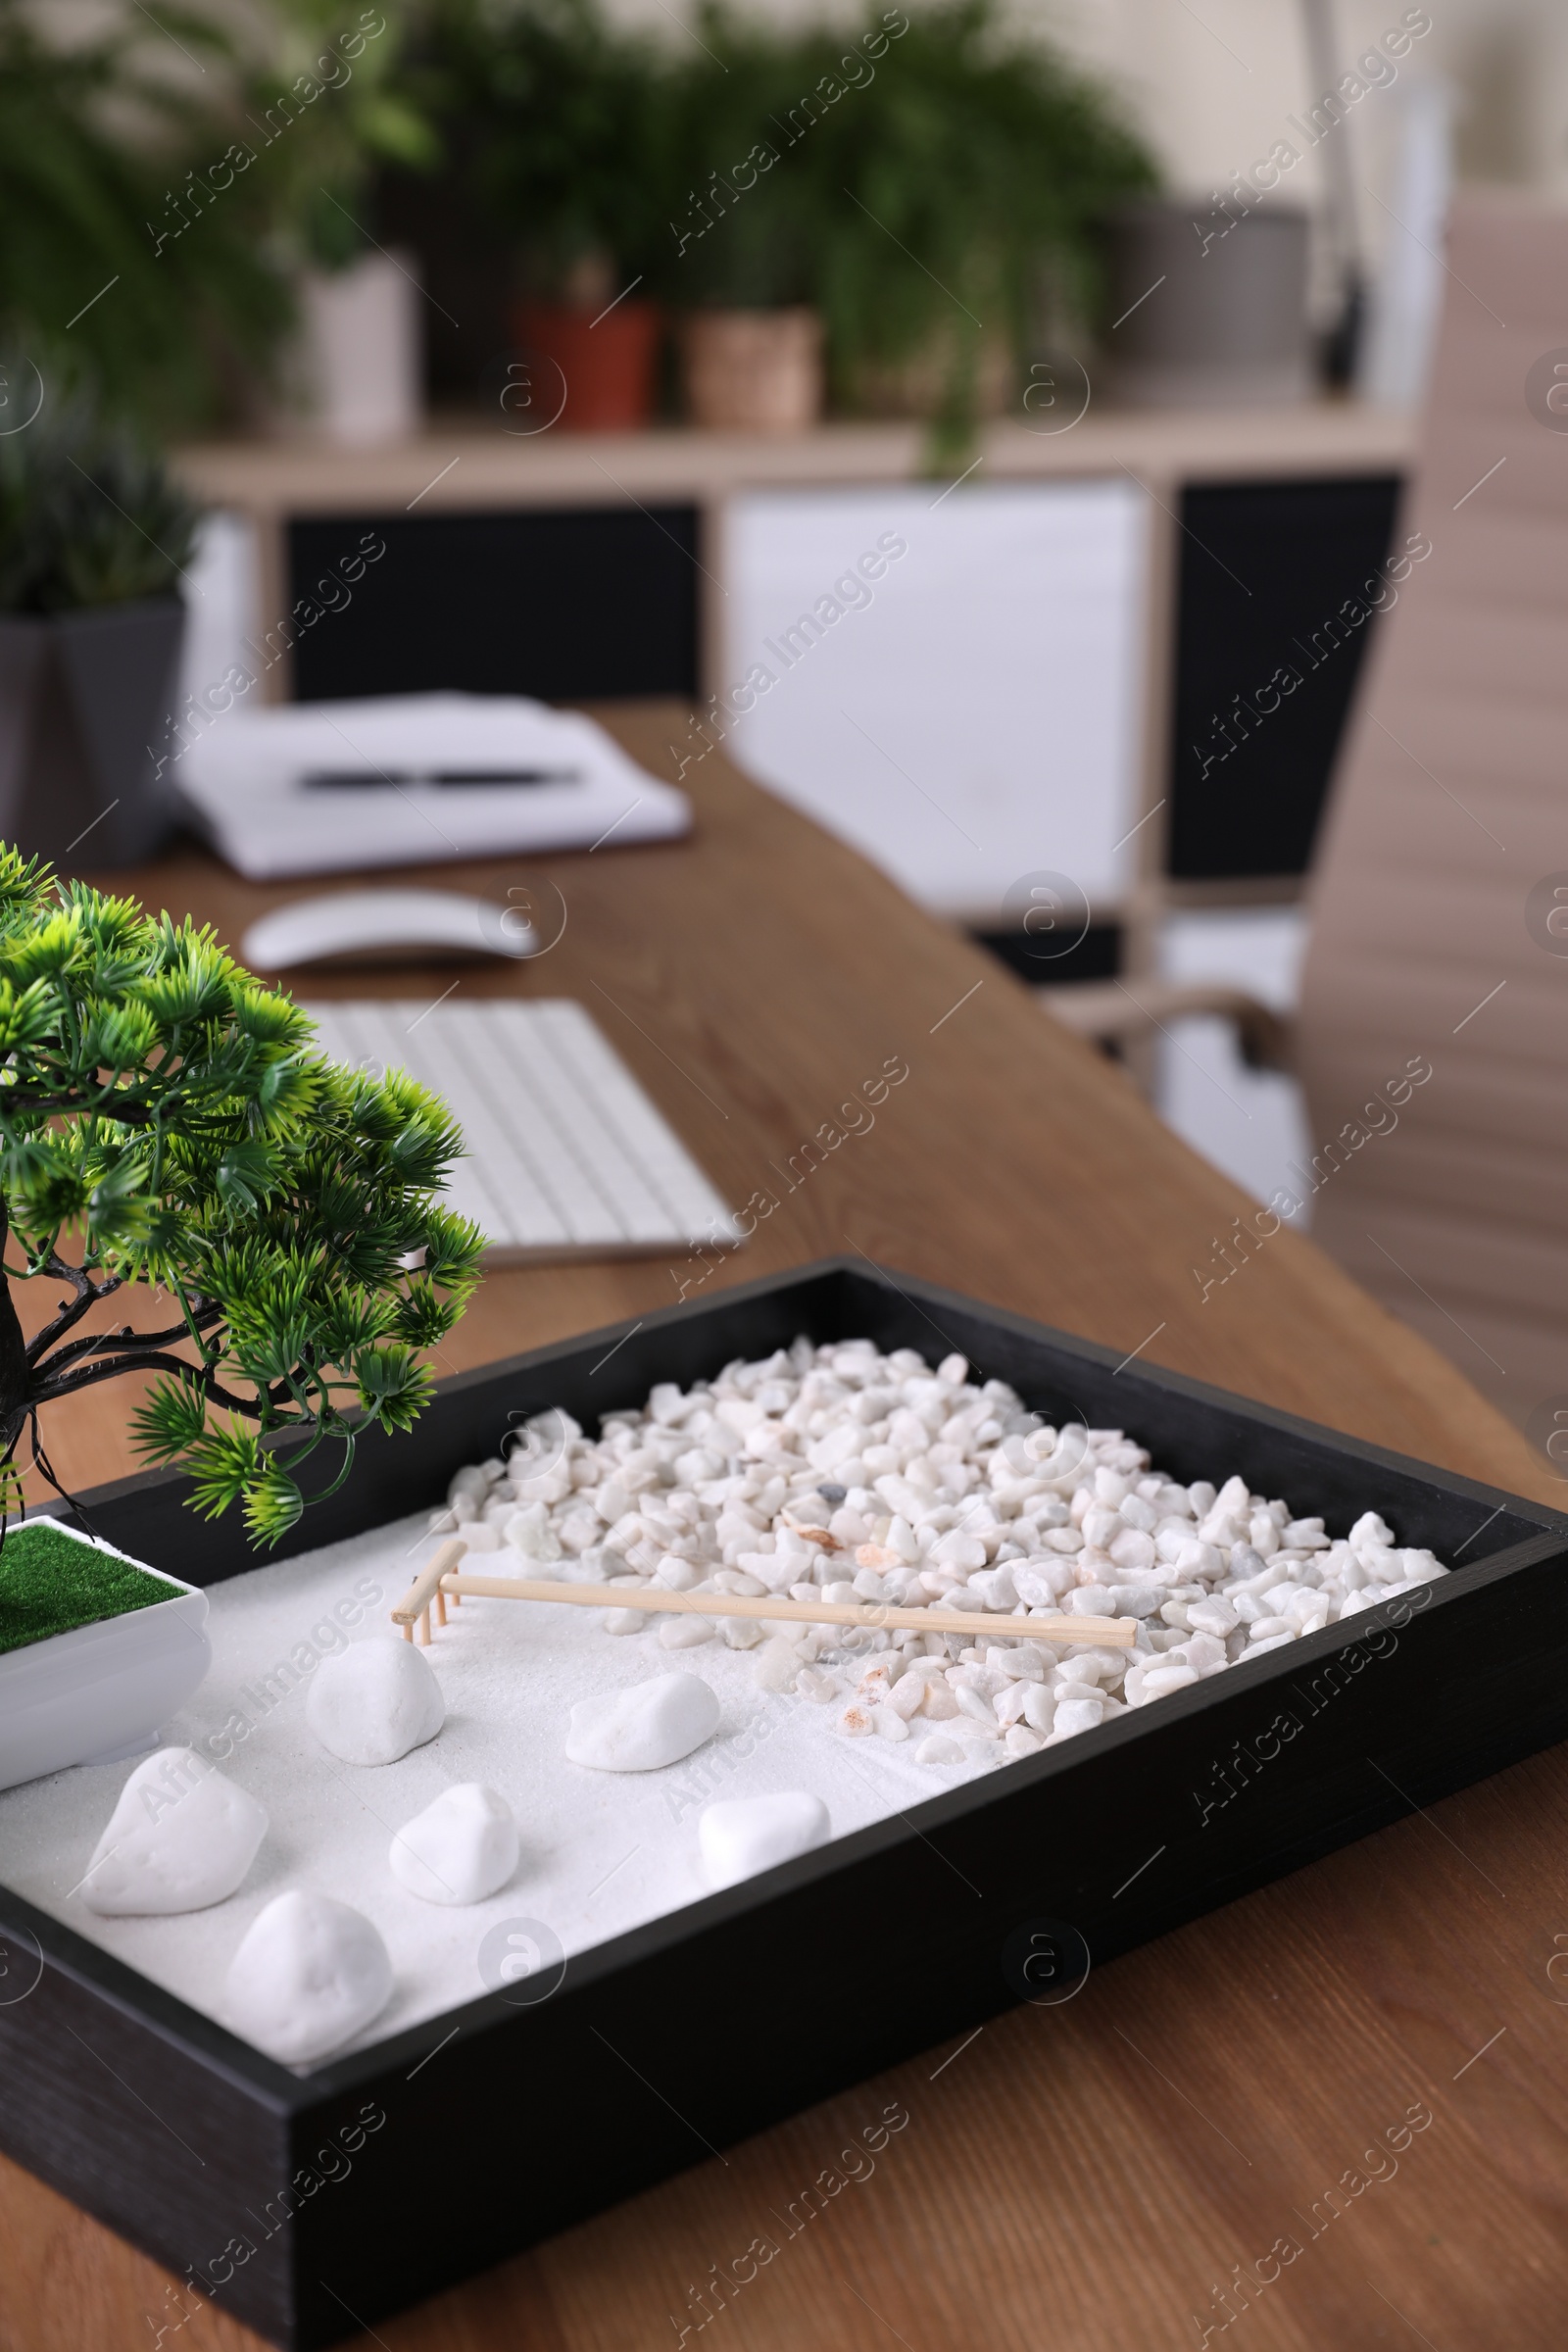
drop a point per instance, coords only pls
(1080, 2177)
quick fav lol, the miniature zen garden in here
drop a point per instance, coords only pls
(609, 1671)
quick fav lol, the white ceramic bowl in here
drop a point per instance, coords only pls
(101, 1692)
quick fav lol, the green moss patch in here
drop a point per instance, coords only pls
(50, 1583)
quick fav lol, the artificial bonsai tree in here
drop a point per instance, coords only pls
(167, 1112)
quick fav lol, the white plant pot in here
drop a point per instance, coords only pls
(102, 1691)
(359, 357)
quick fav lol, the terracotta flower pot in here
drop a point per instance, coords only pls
(752, 371)
(606, 362)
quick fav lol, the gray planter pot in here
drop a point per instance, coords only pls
(1211, 310)
(87, 714)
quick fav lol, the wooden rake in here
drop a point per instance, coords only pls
(441, 1575)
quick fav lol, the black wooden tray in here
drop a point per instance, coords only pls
(309, 2206)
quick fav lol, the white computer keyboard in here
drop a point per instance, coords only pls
(568, 1157)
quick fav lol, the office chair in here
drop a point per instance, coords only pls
(1439, 897)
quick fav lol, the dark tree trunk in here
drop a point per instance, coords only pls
(15, 1373)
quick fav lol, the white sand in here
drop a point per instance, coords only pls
(602, 1852)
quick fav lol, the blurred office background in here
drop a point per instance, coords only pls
(977, 420)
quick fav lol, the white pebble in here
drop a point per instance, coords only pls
(181, 1836)
(857, 1721)
(460, 1850)
(777, 1664)
(623, 1621)
(374, 1701)
(646, 1726)
(688, 1629)
(841, 1473)
(529, 1532)
(470, 1484)
(1076, 1715)
(934, 1748)
(744, 1835)
(308, 1975)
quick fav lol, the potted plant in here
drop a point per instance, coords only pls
(563, 119)
(324, 108)
(169, 1113)
(738, 260)
(94, 539)
(121, 263)
(910, 178)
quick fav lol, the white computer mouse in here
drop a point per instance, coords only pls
(386, 926)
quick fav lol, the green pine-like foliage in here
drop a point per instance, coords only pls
(171, 1116)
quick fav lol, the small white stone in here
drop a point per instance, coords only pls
(1022, 1665)
(741, 1632)
(940, 1702)
(969, 1726)
(461, 1848)
(1077, 1715)
(1213, 1617)
(1021, 1741)
(856, 1722)
(974, 1703)
(625, 1621)
(736, 1581)
(777, 1664)
(374, 1700)
(675, 1574)
(529, 1532)
(686, 1631)
(1038, 1707)
(309, 1973)
(935, 1748)
(1159, 1679)
(747, 1834)
(1134, 1547)
(644, 1726)
(181, 1838)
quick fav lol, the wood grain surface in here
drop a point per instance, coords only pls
(1086, 2176)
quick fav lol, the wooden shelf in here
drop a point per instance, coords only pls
(460, 465)
(464, 466)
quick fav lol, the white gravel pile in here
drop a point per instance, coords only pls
(860, 1477)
